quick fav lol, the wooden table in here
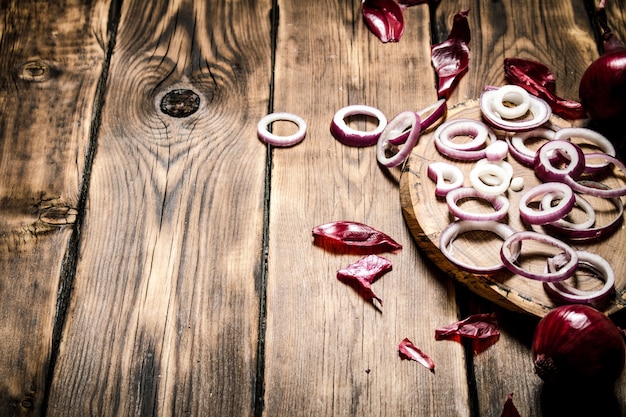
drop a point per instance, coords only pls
(156, 258)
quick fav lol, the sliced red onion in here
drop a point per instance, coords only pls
(584, 187)
(599, 266)
(547, 213)
(567, 151)
(512, 94)
(456, 228)
(447, 177)
(590, 212)
(490, 178)
(496, 151)
(266, 136)
(495, 180)
(353, 137)
(517, 144)
(540, 110)
(469, 151)
(509, 260)
(574, 231)
(499, 203)
(430, 114)
(406, 120)
(590, 136)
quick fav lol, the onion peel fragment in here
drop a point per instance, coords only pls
(481, 329)
(384, 18)
(538, 80)
(509, 409)
(353, 238)
(362, 273)
(409, 351)
(450, 58)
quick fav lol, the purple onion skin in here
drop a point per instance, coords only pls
(578, 345)
(603, 88)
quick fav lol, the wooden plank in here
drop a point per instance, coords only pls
(51, 57)
(559, 35)
(165, 310)
(328, 352)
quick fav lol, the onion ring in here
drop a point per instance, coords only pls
(581, 187)
(547, 213)
(513, 94)
(354, 137)
(499, 203)
(569, 294)
(401, 122)
(283, 141)
(518, 148)
(490, 178)
(544, 161)
(447, 177)
(469, 151)
(592, 137)
(540, 109)
(454, 229)
(567, 269)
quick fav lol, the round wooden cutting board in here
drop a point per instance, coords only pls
(427, 215)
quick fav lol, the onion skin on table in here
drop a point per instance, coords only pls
(578, 345)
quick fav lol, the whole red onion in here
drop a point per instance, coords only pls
(603, 85)
(578, 344)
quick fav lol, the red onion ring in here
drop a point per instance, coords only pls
(495, 180)
(513, 94)
(447, 177)
(581, 187)
(569, 294)
(283, 141)
(499, 203)
(570, 152)
(573, 232)
(590, 136)
(547, 213)
(454, 229)
(540, 110)
(567, 269)
(430, 114)
(518, 148)
(579, 201)
(354, 137)
(401, 122)
(470, 151)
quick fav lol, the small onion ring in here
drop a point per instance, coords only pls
(518, 148)
(454, 229)
(544, 167)
(566, 270)
(591, 136)
(570, 294)
(401, 122)
(513, 94)
(540, 109)
(581, 187)
(494, 180)
(283, 141)
(579, 201)
(470, 151)
(499, 203)
(354, 137)
(447, 177)
(482, 178)
(548, 213)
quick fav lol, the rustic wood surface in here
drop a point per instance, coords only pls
(157, 257)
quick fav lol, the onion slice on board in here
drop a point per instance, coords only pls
(447, 177)
(499, 203)
(540, 110)
(547, 213)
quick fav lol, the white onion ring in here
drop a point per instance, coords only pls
(283, 141)
(499, 203)
(549, 213)
(401, 122)
(581, 187)
(354, 137)
(590, 136)
(494, 180)
(454, 229)
(490, 178)
(567, 269)
(517, 144)
(569, 294)
(447, 177)
(513, 94)
(540, 110)
(544, 166)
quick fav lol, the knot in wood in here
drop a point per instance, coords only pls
(180, 103)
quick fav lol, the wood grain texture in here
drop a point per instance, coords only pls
(165, 309)
(558, 34)
(328, 351)
(51, 57)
